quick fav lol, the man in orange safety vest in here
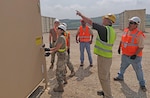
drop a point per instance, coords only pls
(131, 45)
(84, 36)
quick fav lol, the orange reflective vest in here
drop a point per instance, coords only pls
(129, 42)
(67, 36)
(84, 35)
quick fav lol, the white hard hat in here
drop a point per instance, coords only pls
(64, 24)
(56, 20)
(135, 19)
(62, 27)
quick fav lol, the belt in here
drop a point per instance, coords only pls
(127, 55)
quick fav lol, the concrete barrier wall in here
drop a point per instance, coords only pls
(127, 14)
(47, 23)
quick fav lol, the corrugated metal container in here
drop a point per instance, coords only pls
(127, 14)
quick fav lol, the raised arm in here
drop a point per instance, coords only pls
(86, 19)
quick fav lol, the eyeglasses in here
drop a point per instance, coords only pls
(132, 22)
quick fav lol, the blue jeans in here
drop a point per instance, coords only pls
(136, 64)
(84, 45)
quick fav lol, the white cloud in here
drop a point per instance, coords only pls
(60, 11)
(64, 9)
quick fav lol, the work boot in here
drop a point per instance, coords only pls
(143, 88)
(81, 64)
(72, 74)
(52, 65)
(91, 65)
(60, 88)
(100, 93)
(118, 79)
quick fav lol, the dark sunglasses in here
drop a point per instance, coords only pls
(132, 22)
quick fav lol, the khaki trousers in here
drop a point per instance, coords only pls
(103, 65)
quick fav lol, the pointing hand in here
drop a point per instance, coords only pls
(78, 13)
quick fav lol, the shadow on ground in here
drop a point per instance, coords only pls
(130, 93)
(81, 73)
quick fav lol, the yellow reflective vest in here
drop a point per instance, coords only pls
(64, 49)
(105, 48)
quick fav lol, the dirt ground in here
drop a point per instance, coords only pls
(85, 83)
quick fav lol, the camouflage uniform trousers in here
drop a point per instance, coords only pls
(68, 62)
(60, 70)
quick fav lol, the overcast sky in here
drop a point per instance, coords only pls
(65, 9)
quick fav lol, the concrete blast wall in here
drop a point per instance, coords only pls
(126, 15)
(47, 23)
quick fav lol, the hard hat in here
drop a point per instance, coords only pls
(111, 17)
(62, 27)
(56, 20)
(64, 24)
(135, 19)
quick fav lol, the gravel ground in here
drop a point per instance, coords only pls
(85, 83)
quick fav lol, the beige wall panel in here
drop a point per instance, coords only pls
(21, 59)
(126, 15)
